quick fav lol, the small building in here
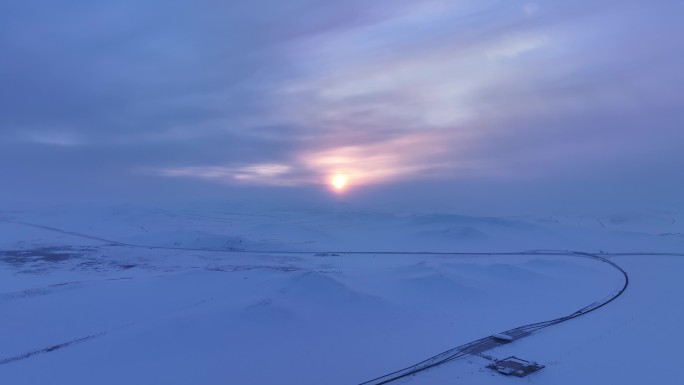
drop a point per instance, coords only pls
(514, 366)
(502, 337)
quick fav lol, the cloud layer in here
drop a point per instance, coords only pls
(284, 94)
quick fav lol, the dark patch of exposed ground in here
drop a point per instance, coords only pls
(43, 259)
(19, 258)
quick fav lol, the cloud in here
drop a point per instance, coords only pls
(53, 138)
(531, 9)
(512, 46)
(285, 93)
(403, 158)
(256, 173)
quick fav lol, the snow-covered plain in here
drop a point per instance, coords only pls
(234, 295)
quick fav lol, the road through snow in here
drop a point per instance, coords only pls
(490, 342)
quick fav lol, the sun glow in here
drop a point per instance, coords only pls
(339, 181)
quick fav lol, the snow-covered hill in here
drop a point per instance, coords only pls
(243, 296)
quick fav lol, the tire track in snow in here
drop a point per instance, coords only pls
(49, 349)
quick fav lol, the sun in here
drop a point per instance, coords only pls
(339, 181)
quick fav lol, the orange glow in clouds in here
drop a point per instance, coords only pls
(339, 181)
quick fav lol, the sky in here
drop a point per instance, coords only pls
(487, 103)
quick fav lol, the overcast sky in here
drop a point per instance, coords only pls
(474, 101)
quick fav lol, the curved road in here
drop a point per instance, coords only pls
(487, 343)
